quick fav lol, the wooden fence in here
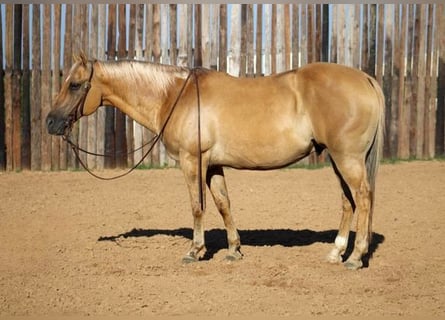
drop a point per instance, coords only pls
(402, 45)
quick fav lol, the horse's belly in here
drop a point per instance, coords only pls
(254, 154)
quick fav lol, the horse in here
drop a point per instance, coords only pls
(209, 120)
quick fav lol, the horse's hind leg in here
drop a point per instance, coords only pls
(341, 240)
(352, 173)
(217, 185)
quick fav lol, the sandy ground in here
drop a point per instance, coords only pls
(74, 245)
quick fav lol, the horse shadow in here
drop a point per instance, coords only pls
(216, 239)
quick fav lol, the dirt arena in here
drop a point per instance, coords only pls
(72, 245)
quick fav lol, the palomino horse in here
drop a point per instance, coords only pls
(209, 120)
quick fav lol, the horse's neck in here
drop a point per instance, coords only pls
(139, 89)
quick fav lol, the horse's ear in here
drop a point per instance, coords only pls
(81, 57)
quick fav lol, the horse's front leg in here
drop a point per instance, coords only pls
(189, 166)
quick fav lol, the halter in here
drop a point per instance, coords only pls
(78, 111)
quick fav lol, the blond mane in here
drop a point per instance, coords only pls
(159, 77)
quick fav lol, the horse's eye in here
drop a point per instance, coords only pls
(74, 86)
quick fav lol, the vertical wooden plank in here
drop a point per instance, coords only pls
(334, 40)
(110, 137)
(139, 28)
(393, 113)
(16, 89)
(250, 53)
(287, 37)
(156, 36)
(165, 31)
(259, 41)
(267, 39)
(131, 52)
(132, 32)
(190, 35)
(156, 33)
(120, 121)
(100, 129)
(9, 58)
(214, 36)
(198, 36)
(414, 88)
(434, 77)
(434, 84)
(379, 53)
(355, 38)
(365, 39)
(235, 45)
(303, 35)
(222, 57)
(430, 86)
(317, 31)
(65, 152)
(420, 102)
(243, 45)
(55, 81)
(408, 92)
(325, 33)
(183, 43)
(173, 34)
(205, 35)
(440, 116)
(83, 35)
(403, 139)
(279, 37)
(91, 133)
(341, 32)
(273, 44)
(165, 58)
(310, 33)
(35, 90)
(372, 34)
(148, 55)
(148, 52)
(295, 35)
(46, 88)
(387, 79)
(2, 102)
(76, 39)
(26, 105)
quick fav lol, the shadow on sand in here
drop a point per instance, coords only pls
(216, 238)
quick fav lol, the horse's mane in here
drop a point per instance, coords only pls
(141, 72)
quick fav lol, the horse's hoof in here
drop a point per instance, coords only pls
(189, 259)
(237, 255)
(334, 259)
(353, 265)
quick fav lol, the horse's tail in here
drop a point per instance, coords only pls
(375, 152)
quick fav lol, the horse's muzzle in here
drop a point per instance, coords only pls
(56, 124)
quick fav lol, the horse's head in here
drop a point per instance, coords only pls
(78, 97)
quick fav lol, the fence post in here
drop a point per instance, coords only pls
(26, 120)
(2, 103)
(403, 137)
(440, 123)
(55, 148)
(16, 89)
(222, 56)
(46, 87)
(420, 101)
